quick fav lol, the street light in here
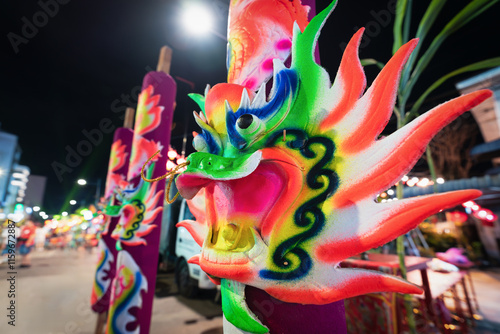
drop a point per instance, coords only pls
(81, 182)
(72, 202)
(198, 20)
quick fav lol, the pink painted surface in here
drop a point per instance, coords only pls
(124, 136)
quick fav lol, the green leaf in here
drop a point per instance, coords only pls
(424, 26)
(407, 22)
(371, 61)
(468, 13)
(398, 24)
(485, 64)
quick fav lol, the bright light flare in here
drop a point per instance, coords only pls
(170, 165)
(412, 182)
(81, 182)
(423, 182)
(197, 20)
(72, 202)
(87, 214)
(172, 154)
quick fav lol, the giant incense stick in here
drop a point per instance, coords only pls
(138, 230)
(117, 173)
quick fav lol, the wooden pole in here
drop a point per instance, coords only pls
(142, 257)
(165, 60)
(129, 118)
(101, 321)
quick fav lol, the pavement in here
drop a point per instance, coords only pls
(487, 287)
(53, 297)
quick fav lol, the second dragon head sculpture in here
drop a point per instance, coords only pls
(291, 177)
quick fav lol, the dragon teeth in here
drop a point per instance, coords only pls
(203, 118)
(207, 88)
(227, 107)
(296, 29)
(259, 100)
(209, 255)
(196, 116)
(278, 66)
(245, 100)
(198, 119)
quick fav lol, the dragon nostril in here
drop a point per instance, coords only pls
(244, 121)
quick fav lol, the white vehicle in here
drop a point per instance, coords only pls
(188, 276)
(177, 246)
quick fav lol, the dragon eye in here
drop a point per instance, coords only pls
(199, 144)
(244, 121)
(248, 123)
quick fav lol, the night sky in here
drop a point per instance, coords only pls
(85, 61)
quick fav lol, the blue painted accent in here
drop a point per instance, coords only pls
(131, 191)
(99, 269)
(286, 84)
(302, 219)
(213, 147)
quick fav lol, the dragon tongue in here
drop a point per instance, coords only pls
(236, 310)
(247, 201)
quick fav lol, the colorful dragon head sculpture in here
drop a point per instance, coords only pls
(137, 210)
(291, 177)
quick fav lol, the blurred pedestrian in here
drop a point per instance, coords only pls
(26, 242)
(40, 236)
